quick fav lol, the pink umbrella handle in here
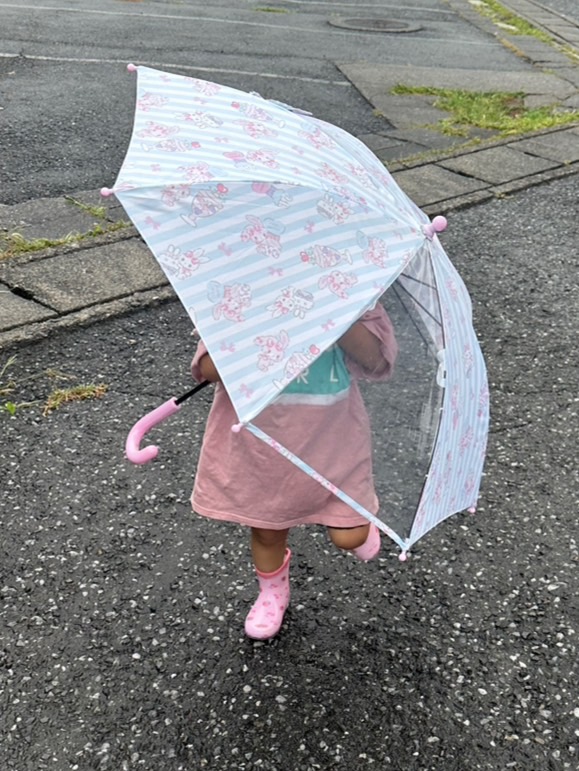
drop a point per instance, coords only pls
(146, 423)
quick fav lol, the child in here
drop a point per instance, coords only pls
(321, 419)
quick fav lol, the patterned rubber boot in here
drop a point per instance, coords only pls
(371, 546)
(265, 618)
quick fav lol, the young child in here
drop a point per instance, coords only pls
(320, 418)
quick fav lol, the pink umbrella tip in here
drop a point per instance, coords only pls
(132, 67)
(403, 556)
(106, 192)
(472, 510)
(437, 225)
(236, 428)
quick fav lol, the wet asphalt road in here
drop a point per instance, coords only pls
(121, 613)
(67, 102)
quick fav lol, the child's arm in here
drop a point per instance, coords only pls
(202, 366)
(364, 348)
(208, 369)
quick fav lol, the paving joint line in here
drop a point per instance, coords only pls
(492, 192)
(485, 144)
(84, 317)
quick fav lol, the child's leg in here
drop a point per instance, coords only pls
(349, 538)
(268, 548)
(362, 541)
(272, 558)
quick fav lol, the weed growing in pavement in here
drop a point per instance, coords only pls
(515, 25)
(509, 21)
(494, 110)
(10, 386)
(572, 53)
(79, 393)
(7, 386)
(100, 212)
(16, 243)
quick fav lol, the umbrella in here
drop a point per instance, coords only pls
(278, 231)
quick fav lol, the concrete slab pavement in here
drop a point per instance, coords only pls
(376, 83)
(53, 218)
(80, 278)
(101, 267)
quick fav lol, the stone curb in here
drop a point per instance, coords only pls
(499, 191)
(35, 330)
(435, 156)
(40, 330)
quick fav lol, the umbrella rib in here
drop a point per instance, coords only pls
(420, 305)
(403, 304)
(418, 281)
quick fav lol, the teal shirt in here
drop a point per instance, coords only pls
(324, 382)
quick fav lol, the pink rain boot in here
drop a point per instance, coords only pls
(371, 546)
(265, 617)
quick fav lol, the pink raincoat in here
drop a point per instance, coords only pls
(241, 479)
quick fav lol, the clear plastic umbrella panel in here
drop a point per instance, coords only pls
(279, 231)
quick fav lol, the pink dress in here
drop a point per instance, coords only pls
(242, 479)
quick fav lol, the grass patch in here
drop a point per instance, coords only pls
(16, 243)
(7, 387)
(496, 111)
(509, 21)
(572, 53)
(100, 212)
(11, 388)
(78, 393)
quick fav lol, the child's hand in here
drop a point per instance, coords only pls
(208, 369)
(364, 348)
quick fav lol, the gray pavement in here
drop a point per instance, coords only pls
(121, 635)
(121, 643)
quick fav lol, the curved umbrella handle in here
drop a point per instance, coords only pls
(146, 423)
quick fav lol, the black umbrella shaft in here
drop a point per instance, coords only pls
(192, 392)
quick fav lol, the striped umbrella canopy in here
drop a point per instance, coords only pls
(277, 232)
